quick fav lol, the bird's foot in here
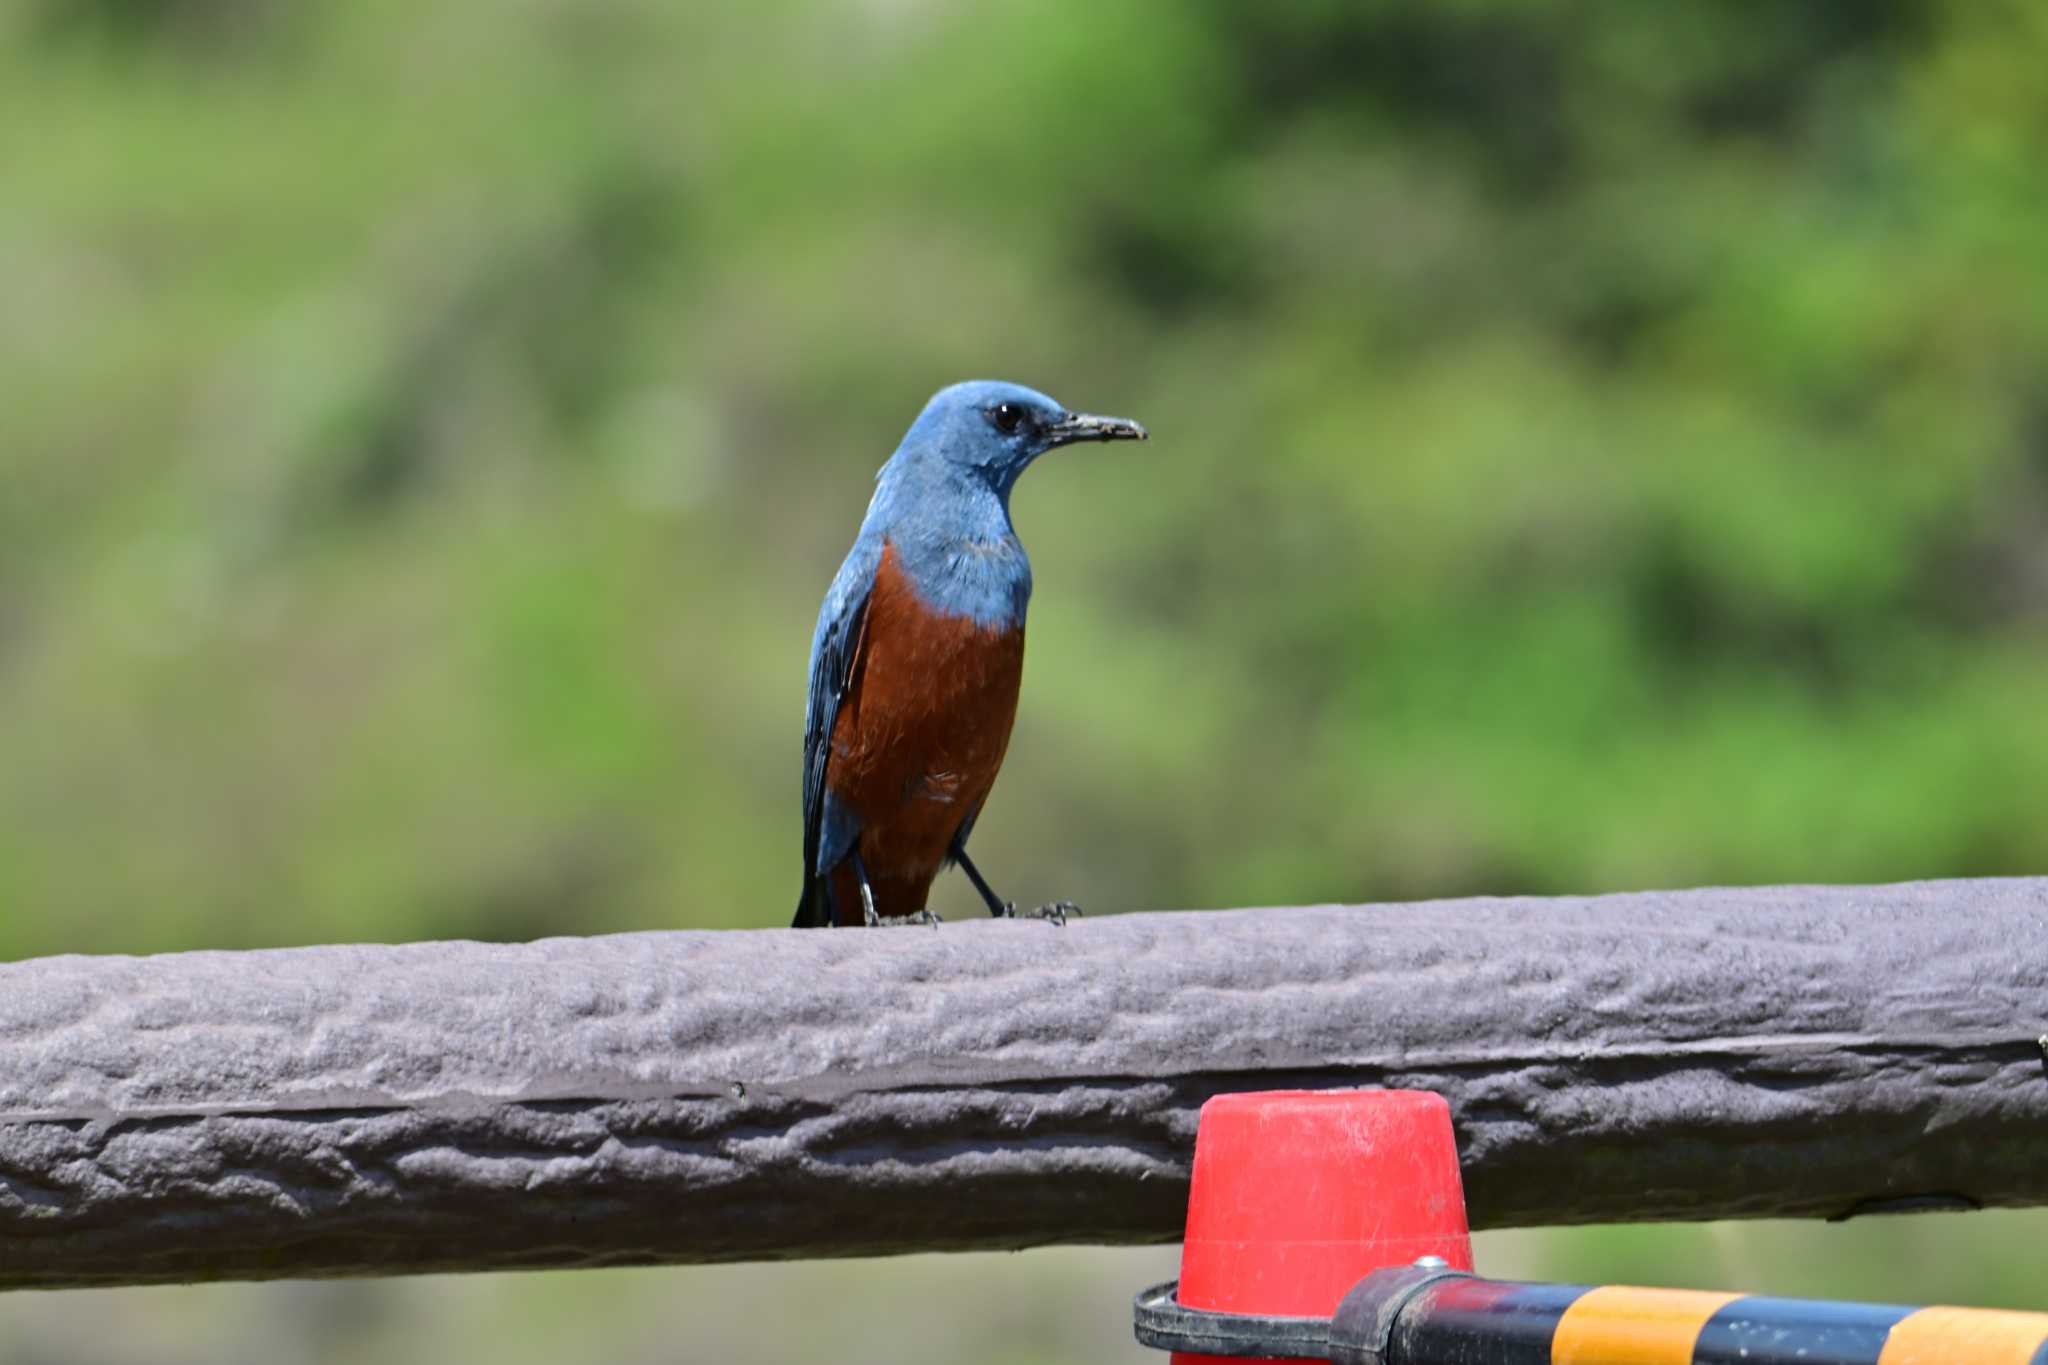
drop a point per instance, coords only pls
(1056, 913)
(921, 917)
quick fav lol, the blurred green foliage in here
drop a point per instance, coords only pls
(1597, 446)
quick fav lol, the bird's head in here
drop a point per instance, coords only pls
(999, 429)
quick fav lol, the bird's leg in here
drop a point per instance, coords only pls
(867, 893)
(869, 916)
(997, 906)
(1056, 913)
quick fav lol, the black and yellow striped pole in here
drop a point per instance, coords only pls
(1463, 1320)
(1432, 1315)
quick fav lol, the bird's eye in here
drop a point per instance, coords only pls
(1006, 417)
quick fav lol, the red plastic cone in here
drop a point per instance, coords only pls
(1299, 1193)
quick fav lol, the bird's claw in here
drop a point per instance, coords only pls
(921, 917)
(1055, 913)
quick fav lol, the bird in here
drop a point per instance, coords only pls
(917, 657)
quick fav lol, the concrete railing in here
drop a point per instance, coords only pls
(701, 1096)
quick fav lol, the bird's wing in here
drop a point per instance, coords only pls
(835, 648)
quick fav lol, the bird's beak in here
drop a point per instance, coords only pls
(1084, 426)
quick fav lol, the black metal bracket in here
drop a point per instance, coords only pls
(1364, 1323)
(1358, 1334)
(1161, 1321)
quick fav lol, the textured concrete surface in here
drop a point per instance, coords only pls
(715, 1096)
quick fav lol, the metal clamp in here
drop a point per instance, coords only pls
(1163, 1322)
(1358, 1335)
(1364, 1324)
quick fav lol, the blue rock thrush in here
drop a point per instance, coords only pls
(917, 657)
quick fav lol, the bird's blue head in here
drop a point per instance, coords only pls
(998, 429)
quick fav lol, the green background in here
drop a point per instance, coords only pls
(1596, 447)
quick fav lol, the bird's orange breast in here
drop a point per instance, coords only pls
(919, 737)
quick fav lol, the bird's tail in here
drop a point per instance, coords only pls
(814, 906)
